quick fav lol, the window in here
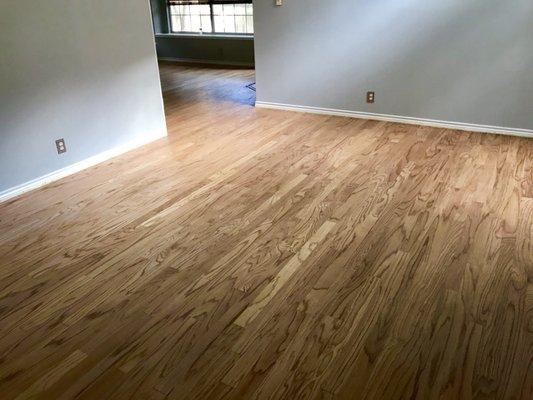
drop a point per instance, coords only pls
(211, 16)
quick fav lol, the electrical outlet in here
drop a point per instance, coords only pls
(370, 97)
(60, 146)
(279, 2)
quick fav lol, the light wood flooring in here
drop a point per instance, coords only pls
(260, 254)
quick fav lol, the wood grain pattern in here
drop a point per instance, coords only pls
(275, 285)
(259, 254)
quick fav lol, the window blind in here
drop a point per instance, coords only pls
(195, 2)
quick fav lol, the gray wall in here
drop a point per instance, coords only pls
(159, 16)
(208, 49)
(455, 60)
(81, 70)
(226, 50)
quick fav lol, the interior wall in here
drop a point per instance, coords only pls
(206, 49)
(85, 71)
(159, 16)
(468, 62)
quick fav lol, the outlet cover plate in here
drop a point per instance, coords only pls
(60, 146)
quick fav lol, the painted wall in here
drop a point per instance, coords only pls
(455, 60)
(208, 49)
(237, 50)
(81, 70)
(159, 16)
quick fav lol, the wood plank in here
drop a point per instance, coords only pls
(269, 291)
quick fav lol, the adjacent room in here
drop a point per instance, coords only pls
(267, 199)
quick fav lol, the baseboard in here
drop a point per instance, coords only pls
(76, 167)
(208, 62)
(404, 120)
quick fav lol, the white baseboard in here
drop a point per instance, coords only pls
(76, 167)
(395, 118)
(210, 62)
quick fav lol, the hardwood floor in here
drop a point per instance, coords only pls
(259, 254)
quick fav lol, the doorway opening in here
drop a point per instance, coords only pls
(213, 39)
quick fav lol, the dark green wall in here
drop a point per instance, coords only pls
(228, 50)
(159, 16)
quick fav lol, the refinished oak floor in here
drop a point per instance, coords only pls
(259, 254)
